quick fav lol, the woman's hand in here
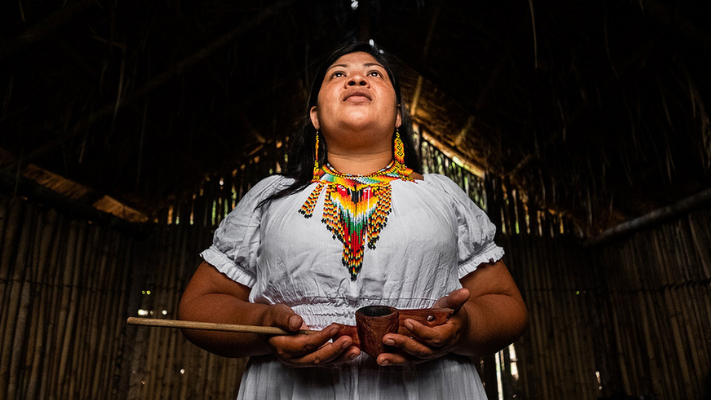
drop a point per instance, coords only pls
(307, 350)
(429, 343)
(489, 315)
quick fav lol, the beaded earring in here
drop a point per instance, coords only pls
(316, 152)
(316, 166)
(398, 148)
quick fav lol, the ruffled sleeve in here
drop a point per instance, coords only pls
(235, 244)
(475, 236)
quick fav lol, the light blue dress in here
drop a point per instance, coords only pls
(434, 236)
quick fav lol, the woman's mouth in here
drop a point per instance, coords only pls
(357, 96)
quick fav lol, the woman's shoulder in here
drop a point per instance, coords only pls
(273, 182)
(268, 186)
(443, 181)
(448, 190)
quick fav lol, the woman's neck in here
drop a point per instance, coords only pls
(359, 164)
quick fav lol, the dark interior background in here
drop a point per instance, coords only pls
(128, 129)
(597, 110)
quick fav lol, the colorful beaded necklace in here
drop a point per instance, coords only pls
(356, 207)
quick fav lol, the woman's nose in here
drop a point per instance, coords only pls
(357, 80)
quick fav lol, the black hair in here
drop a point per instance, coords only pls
(300, 163)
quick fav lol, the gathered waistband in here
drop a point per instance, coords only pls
(319, 314)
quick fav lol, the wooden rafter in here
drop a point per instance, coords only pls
(655, 217)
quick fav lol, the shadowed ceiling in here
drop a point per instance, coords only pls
(595, 109)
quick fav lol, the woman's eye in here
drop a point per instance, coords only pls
(374, 73)
(338, 74)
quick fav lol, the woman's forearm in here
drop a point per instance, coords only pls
(223, 308)
(496, 313)
(495, 321)
(212, 297)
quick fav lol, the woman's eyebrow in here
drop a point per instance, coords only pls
(338, 65)
(346, 65)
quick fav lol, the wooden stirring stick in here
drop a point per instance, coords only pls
(211, 326)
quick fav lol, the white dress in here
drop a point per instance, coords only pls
(434, 236)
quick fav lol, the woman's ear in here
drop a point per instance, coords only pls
(314, 117)
(398, 119)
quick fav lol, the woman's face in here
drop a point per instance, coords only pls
(357, 103)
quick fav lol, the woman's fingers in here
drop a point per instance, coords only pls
(318, 348)
(424, 343)
(454, 300)
(282, 316)
(314, 349)
(349, 354)
(298, 345)
(410, 350)
(437, 336)
(327, 354)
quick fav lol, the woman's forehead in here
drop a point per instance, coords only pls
(355, 59)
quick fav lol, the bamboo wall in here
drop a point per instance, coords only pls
(657, 308)
(163, 365)
(632, 316)
(63, 295)
(556, 355)
(67, 288)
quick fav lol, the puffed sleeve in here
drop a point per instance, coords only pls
(475, 231)
(235, 244)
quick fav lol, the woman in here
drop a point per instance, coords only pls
(381, 233)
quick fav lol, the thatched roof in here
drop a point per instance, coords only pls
(595, 109)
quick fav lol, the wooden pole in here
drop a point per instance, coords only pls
(648, 220)
(69, 299)
(47, 229)
(54, 294)
(21, 309)
(12, 234)
(211, 326)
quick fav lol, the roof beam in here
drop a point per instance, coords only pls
(106, 211)
(648, 220)
(454, 154)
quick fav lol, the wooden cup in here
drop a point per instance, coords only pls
(372, 323)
